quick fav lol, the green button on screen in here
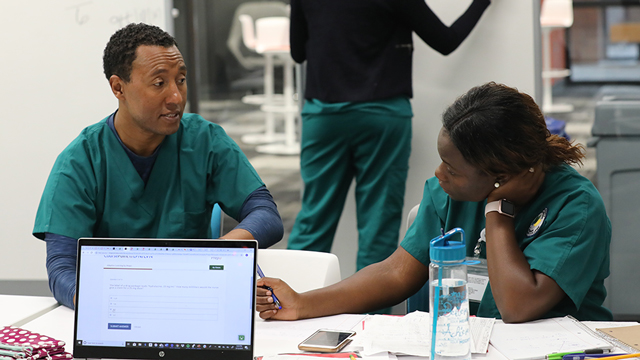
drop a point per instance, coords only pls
(216, 267)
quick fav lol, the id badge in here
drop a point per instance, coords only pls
(477, 279)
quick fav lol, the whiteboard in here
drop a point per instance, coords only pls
(503, 47)
(53, 88)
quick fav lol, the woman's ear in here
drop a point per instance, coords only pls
(502, 178)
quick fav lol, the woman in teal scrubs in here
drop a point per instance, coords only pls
(508, 183)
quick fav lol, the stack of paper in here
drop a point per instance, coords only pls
(411, 334)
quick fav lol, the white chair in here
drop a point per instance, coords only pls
(272, 34)
(554, 14)
(412, 215)
(302, 270)
(250, 41)
(272, 41)
(255, 10)
(420, 300)
(248, 31)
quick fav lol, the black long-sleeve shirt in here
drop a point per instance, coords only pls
(361, 50)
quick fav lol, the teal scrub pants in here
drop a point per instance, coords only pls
(371, 146)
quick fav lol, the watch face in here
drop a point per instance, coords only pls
(507, 208)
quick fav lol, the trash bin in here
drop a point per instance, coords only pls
(616, 131)
(556, 127)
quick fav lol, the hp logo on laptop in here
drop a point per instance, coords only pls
(161, 353)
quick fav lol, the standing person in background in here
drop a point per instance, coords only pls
(356, 121)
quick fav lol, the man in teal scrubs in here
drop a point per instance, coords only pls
(148, 170)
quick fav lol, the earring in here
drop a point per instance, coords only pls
(497, 184)
(531, 170)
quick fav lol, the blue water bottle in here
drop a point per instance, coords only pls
(448, 300)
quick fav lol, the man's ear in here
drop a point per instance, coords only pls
(117, 86)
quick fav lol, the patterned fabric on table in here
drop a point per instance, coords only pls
(17, 343)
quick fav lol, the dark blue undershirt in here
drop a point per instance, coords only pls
(142, 164)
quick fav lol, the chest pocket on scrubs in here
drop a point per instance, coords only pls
(188, 224)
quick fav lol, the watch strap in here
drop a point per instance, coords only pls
(492, 206)
(497, 206)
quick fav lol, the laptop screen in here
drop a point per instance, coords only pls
(150, 299)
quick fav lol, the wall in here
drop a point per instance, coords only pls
(53, 88)
(504, 47)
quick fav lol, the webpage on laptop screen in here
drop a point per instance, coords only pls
(173, 297)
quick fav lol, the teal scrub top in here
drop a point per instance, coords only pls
(95, 191)
(564, 233)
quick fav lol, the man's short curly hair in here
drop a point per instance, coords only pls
(120, 51)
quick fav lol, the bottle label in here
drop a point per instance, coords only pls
(452, 301)
(452, 329)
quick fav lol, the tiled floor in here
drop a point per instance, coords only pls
(281, 173)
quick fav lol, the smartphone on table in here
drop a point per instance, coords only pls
(325, 340)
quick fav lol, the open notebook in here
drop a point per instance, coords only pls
(165, 299)
(535, 339)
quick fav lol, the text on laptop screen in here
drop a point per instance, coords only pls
(165, 297)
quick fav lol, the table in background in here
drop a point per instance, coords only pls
(18, 309)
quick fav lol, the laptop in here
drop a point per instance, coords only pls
(165, 299)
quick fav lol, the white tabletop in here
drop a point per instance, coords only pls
(271, 337)
(19, 309)
(57, 323)
(277, 337)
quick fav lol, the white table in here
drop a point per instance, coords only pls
(277, 337)
(271, 337)
(57, 323)
(19, 309)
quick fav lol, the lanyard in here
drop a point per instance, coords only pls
(483, 239)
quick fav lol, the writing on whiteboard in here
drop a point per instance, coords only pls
(81, 17)
(85, 12)
(144, 15)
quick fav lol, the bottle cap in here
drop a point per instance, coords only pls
(445, 248)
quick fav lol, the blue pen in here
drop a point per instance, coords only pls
(582, 356)
(275, 299)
